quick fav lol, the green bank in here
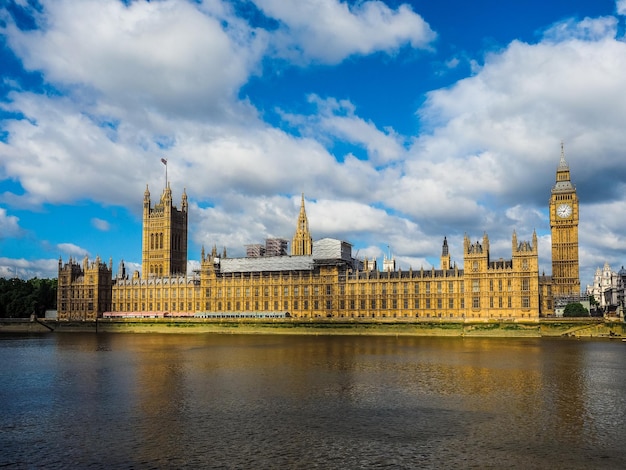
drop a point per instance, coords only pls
(584, 328)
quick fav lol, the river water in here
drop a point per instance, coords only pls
(305, 402)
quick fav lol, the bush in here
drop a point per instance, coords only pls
(575, 309)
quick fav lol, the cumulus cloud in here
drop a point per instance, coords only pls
(170, 55)
(9, 226)
(620, 6)
(328, 31)
(28, 269)
(142, 77)
(72, 250)
(337, 120)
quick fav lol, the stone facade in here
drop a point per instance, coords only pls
(323, 280)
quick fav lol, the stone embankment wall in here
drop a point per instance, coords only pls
(548, 328)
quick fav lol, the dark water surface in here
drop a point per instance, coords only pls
(244, 401)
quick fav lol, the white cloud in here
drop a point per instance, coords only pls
(9, 226)
(588, 29)
(100, 224)
(337, 120)
(28, 269)
(620, 6)
(72, 250)
(329, 31)
(171, 56)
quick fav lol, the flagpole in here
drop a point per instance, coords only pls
(164, 161)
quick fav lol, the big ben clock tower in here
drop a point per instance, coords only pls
(564, 228)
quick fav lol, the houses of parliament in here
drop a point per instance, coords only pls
(322, 279)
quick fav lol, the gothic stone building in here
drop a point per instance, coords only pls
(322, 279)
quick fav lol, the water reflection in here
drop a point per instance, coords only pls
(230, 401)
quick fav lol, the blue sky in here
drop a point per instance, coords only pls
(402, 123)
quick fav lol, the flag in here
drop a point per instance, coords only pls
(164, 161)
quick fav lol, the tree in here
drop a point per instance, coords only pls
(19, 299)
(575, 309)
(594, 306)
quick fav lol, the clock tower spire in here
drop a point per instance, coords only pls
(564, 228)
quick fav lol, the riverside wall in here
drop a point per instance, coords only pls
(574, 328)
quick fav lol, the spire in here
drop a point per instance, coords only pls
(563, 183)
(445, 255)
(184, 200)
(146, 198)
(562, 162)
(302, 243)
(303, 222)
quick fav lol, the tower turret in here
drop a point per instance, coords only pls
(164, 251)
(445, 255)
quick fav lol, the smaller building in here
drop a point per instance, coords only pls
(607, 290)
(84, 291)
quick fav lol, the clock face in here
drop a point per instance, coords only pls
(564, 211)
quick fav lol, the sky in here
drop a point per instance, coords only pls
(401, 122)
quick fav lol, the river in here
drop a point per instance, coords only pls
(305, 402)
